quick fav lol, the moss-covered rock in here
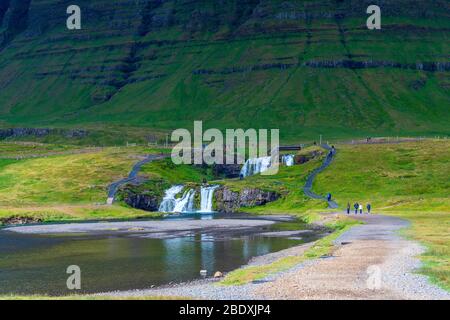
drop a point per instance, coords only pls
(229, 201)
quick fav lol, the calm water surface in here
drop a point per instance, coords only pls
(31, 264)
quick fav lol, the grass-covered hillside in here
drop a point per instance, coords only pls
(392, 177)
(53, 182)
(306, 67)
(410, 180)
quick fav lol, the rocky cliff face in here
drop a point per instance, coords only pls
(41, 132)
(228, 201)
(17, 220)
(13, 18)
(142, 201)
(227, 170)
(145, 194)
(225, 200)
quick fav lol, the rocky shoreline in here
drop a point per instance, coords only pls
(19, 220)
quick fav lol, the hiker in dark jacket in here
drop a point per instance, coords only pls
(356, 206)
(329, 197)
(348, 207)
(369, 207)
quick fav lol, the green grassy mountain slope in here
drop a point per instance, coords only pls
(306, 67)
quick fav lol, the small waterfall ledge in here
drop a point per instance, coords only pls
(259, 165)
(288, 160)
(255, 166)
(186, 203)
(206, 198)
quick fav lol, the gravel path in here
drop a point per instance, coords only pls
(370, 261)
(309, 181)
(132, 176)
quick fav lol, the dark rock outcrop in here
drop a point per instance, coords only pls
(228, 201)
(301, 159)
(41, 132)
(15, 220)
(227, 170)
(13, 18)
(143, 194)
(431, 66)
(142, 201)
(22, 132)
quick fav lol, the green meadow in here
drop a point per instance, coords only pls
(410, 180)
(54, 183)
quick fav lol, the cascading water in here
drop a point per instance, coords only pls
(206, 198)
(169, 202)
(255, 166)
(185, 203)
(172, 204)
(288, 160)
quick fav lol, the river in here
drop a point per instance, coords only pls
(36, 264)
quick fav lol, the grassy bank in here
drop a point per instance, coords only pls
(320, 248)
(410, 180)
(71, 213)
(432, 229)
(392, 177)
(38, 182)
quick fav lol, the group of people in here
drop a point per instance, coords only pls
(359, 208)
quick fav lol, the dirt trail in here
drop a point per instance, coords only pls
(363, 255)
(371, 261)
(307, 189)
(132, 176)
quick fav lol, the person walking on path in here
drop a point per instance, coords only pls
(360, 209)
(356, 206)
(348, 207)
(369, 207)
(329, 197)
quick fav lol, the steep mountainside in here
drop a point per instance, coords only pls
(302, 66)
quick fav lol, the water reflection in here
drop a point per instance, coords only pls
(37, 264)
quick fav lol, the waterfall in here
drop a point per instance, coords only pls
(186, 202)
(172, 204)
(288, 160)
(169, 201)
(206, 198)
(255, 166)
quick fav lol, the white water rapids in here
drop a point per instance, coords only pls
(288, 160)
(206, 198)
(255, 166)
(259, 165)
(185, 203)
